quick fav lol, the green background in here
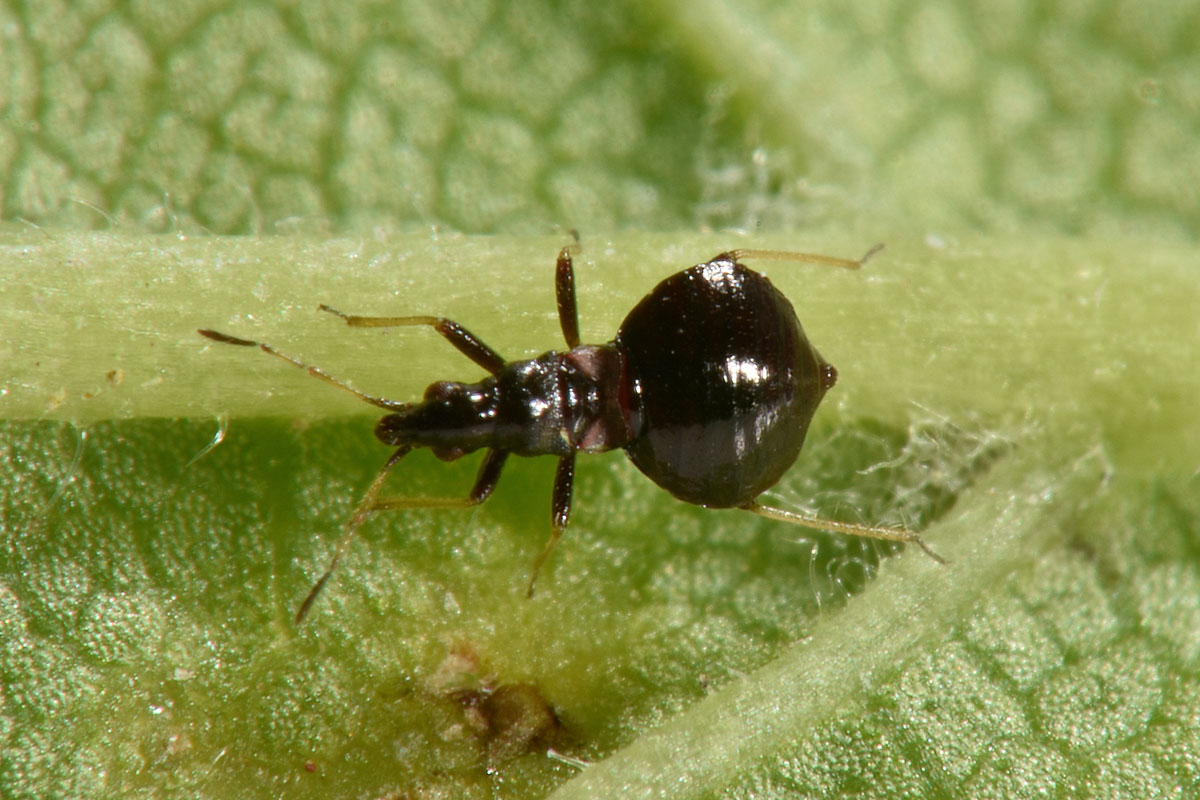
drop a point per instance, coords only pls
(1019, 374)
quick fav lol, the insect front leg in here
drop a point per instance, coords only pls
(564, 292)
(485, 481)
(365, 507)
(463, 340)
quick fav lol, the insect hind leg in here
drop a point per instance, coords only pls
(833, 526)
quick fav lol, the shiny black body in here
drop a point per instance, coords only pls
(709, 387)
(555, 404)
(725, 383)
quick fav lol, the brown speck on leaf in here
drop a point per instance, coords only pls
(508, 719)
(519, 721)
(56, 400)
(459, 670)
(513, 719)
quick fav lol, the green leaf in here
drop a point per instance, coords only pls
(249, 117)
(150, 579)
(1024, 397)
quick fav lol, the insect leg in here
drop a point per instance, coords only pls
(564, 291)
(872, 532)
(463, 340)
(564, 481)
(485, 482)
(316, 372)
(365, 506)
(811, 258)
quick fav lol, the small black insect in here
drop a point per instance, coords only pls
(709, 387)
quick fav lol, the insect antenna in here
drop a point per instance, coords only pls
(316, 372)
(365, 506)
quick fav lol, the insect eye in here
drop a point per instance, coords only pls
(440, 391)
